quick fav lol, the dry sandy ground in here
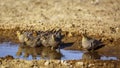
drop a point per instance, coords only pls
(96, 17)
(9, 62)
(93, 16)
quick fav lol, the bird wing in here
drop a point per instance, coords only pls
(96, 44)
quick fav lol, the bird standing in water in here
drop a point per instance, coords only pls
(27, 38)
(21, 36)
(33, 41)
(91, 44)
(52, 39)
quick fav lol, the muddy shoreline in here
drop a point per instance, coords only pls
(13, 63)
(9, 35)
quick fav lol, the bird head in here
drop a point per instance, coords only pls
(18, 33)
(84, 37)
(26, 38)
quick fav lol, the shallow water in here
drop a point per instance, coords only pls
(30, 53)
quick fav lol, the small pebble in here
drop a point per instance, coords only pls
(117, 30)
(64, 62)
(46, 63)
(80, 63)
(71, 66)
(91, 65)
(70, 34)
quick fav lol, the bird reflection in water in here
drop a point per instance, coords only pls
(49, 53)
(90, 55)
(43, 52)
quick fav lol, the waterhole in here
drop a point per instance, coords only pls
(29, 53)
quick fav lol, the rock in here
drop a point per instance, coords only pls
(117, 30)
(57, 62)
(70, 25)
(80, 63)
(90, 65)
(64, 62)
(35, 67)
(71, 66)
(70, 34)
(46, 63)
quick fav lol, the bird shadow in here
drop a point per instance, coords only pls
(91, 55)
(64, 45)
(99, 47)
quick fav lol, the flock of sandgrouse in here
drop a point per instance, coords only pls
(53, 39)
